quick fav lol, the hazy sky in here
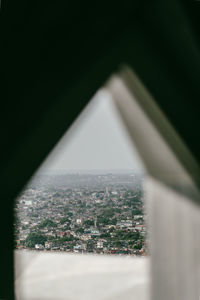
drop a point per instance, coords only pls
(97, 140)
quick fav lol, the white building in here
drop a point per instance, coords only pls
(39, 247)
(48, 245)
(100, 244)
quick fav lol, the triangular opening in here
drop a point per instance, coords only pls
(87, 195)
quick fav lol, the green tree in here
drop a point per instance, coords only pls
(108, 212)
(34, 238)
(47, 223)
(64, 220)
(105, 235)
(80, 230)
(137, 246)
(88, 222)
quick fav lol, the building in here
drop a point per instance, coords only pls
(39, 247)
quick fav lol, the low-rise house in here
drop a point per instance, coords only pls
(85, 237)
(48, 245)
(39, 247)
(99, 244)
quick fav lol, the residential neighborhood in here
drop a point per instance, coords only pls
(83, 213)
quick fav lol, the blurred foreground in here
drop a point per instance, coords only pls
(56, 276)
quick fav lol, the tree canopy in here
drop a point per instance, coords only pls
(35, 238)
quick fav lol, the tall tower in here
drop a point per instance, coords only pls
(107, 191)
(95, 222)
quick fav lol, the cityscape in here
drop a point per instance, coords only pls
(100, 213)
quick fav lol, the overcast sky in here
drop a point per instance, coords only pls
(96, 141)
